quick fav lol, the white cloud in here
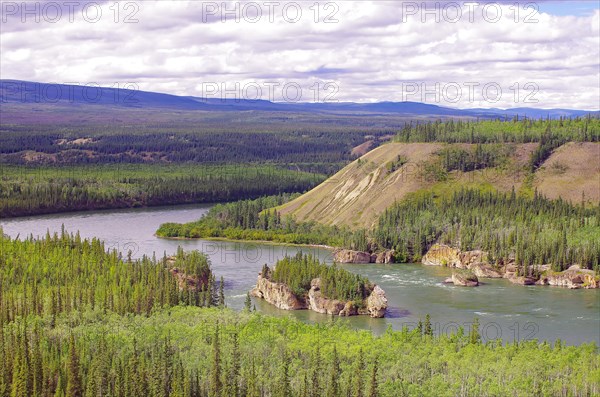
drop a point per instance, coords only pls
(373, 52)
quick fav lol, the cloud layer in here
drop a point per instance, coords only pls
(450, 53)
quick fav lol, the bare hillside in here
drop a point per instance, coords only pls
(571, 172)
(357, 194)
(363, 189)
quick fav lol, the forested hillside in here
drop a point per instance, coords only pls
(529, 231)
(533, 232)
(319, 143)
(64, 273)
(37, 190)
(80, 322)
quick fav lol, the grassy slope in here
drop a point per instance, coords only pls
(357, 194)
(571, 171)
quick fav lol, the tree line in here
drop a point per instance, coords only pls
(518, 130)
(312, 149)
(210, 352)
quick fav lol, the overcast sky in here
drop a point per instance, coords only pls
(361, 51)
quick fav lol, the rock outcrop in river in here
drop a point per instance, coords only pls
(350, 256)
(277, 294)
(477, 262)
(463, 279)
(573, 278)
(281, 296)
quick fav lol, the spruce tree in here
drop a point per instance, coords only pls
(474, 336)
(253, 387)
(428, 329)
(284, 388)
(215, 368)
(359, 374)
(373, 384)
(20, 386)
(333, 388)
(248, 302)
(222, 292)
(315, 372)
(234, 375)
(74, 386)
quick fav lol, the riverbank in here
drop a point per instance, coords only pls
(265, 242)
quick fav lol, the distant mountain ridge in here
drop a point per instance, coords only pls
(26, 92)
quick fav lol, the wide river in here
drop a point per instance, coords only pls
(504, 310)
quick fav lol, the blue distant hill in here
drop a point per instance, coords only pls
(26, 92)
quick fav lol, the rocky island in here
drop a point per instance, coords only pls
(302, 282)
(479, 265)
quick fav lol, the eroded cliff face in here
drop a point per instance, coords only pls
(485, 270)
(281, 296)
(385, 257)
(442, 255)
(350, 256)
(477, 262)
(320, 304)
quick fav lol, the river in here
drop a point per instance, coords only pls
(504, 310)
